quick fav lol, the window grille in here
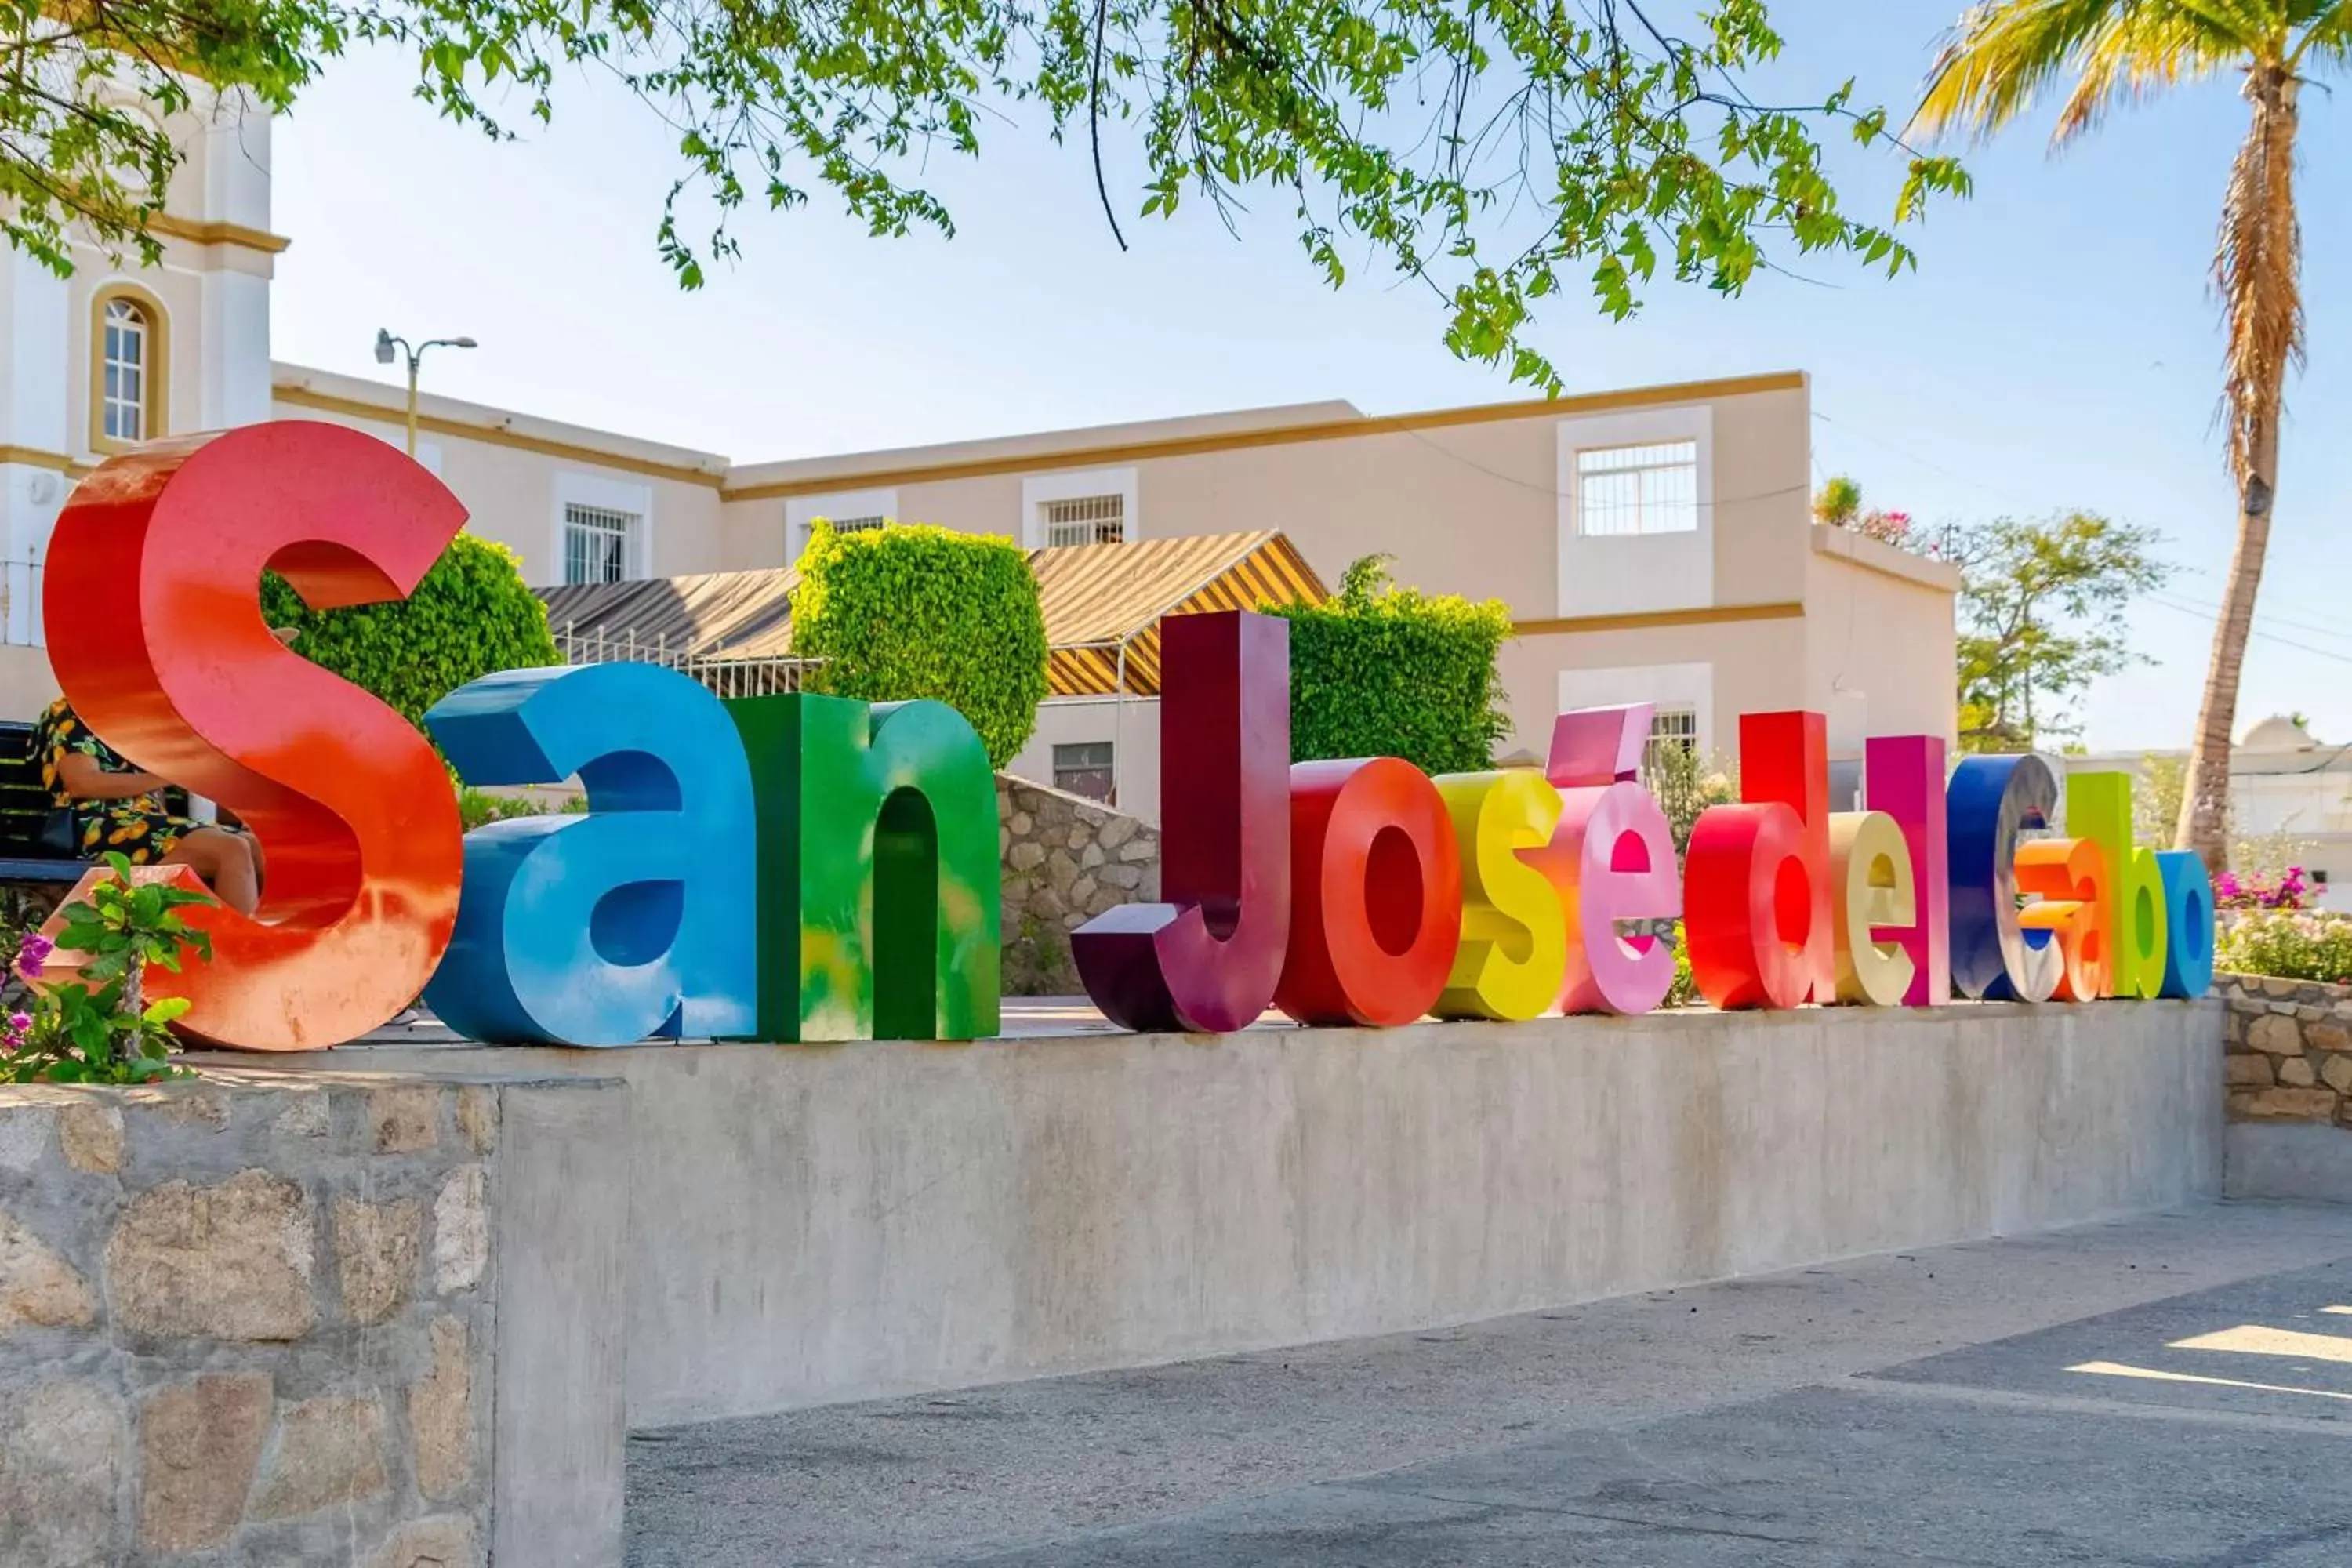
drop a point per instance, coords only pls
(1085, 768)
(1627, 491)
(598, 543)
(855, 524)
(1087, 520)
(1670, 727)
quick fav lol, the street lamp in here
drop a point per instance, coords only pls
(388, 348)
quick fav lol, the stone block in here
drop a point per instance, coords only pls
(1021, 824)
(198, 1445)
(1081, 836)
(227, 1262)
(2276, 986)
(1026, 855)
(440, 1541)
(441, 1414)
(376, 1247)
(38, 1288)
(1092, 857)
(2248, 1071)
(60, 1467)
(1127, 878)
(2336, 1071)
(2295, 1073)
(404, 1120)
(191, 1106)
(1060, 871)
(1081, 890)
(2328, 1037)
(1115, 831)
(461, 1231)
(477, 1117)
(90, 1138)
(2282, 1104)
(329, 1452)
(2275, 1034)
(305, 1115)
(1138, 850)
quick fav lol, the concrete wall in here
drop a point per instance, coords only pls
(835, 1223)
(345, 1321)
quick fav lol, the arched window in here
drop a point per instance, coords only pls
(128, 358)
(129, 365)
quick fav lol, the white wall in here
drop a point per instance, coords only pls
(1133, 728)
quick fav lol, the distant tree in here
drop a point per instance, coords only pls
(1838, 502)
(2039, 618)
(1492, 153)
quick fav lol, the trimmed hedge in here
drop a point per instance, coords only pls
(908, 612)
(1385, 672)
(470, 616)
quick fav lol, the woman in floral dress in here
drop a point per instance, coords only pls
(118, 809)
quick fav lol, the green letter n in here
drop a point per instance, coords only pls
(879, 885)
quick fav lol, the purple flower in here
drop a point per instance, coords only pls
(33, 955)
(18, 1023)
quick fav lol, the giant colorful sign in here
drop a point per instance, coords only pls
(807, 868)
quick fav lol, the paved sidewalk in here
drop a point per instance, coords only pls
(2167, 1390)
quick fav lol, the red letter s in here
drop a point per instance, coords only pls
(152, 602)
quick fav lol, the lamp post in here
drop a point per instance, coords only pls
(387, 347)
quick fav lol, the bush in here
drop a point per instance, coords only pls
(478, 807)
(470, 616)
(2292, 944)
(900, 612)
(1384, 671)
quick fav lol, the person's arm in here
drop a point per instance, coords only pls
(79, 777)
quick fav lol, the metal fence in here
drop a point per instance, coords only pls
(724, 674)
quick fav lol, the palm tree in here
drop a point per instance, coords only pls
(1994, 66)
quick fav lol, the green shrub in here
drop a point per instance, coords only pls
(2292, 945)
(476, 807)
(1384, 671)
(901, 613)
(471, 615)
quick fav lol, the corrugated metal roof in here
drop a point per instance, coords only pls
(1094, 597)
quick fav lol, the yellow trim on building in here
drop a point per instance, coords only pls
(217, 234)
(1330, 430)
(491, 435)
(1712, 616)
(156, 371)
(34, 458)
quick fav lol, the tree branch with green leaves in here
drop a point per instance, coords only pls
(1495, 153)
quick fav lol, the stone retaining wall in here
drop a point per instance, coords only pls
(1064, 860)
(2289, 1049)
(257, 1322)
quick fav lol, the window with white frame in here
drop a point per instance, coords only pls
(126, 358)
(1674, 729)
(1087, 768)
(849, 512)
(1086, 520)
(599, 543)
(1630, 491)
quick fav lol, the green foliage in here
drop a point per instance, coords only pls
(100, 1029)
(2040, 617)
(900, 612)
(1492, 153)
(1384, 671)
(2293, 944)
(1684, 783)
(478, 807)
(469, 616)
(2155, 797)
(1838, 502)
(1683, 992)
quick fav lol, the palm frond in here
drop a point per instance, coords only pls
(2325, 36)
(2136, 53)
(2004, 54)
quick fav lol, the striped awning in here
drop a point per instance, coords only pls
(1099, 601)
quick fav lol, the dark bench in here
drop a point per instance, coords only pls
(25, 810)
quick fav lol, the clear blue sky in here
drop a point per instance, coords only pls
(2056, 348)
